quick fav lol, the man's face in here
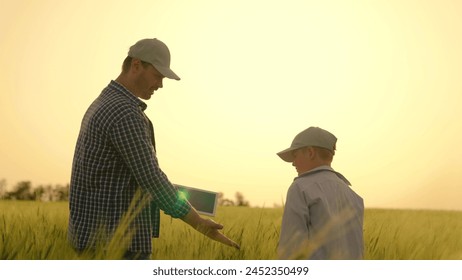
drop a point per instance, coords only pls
(148, 80)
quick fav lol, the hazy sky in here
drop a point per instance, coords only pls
(384, 76)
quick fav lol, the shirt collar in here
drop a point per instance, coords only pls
(119, 87)
(317, 169)
(324, 168)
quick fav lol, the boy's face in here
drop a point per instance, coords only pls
(302, 161)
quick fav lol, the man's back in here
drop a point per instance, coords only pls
(101, 184)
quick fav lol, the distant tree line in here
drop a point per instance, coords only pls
(24, 191)
(239, 201)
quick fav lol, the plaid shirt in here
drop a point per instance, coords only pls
(114, 159)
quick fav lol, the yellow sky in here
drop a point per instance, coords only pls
(383, 76)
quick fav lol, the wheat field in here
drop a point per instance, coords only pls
(37, 231)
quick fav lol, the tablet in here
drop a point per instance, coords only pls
(205, 202)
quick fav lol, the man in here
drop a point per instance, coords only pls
(323, 216)
(116, 183)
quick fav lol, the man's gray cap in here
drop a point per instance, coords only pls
(155, 52)
(310, 137)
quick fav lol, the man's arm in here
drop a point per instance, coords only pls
(133, 144)
(129, 138)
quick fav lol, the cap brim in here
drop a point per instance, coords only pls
(167, 72)
(287, 155)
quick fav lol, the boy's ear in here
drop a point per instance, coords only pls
(311, 152)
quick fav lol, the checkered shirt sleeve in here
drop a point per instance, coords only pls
(131, 142)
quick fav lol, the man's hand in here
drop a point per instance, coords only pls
(208, 227)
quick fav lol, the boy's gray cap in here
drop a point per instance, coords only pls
(155, 52)
(310, 137)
